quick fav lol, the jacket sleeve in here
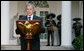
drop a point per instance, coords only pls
(54, 23)
(42, 27)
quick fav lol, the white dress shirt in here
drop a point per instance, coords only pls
(30, 16)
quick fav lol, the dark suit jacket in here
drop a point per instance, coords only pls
(35, 44)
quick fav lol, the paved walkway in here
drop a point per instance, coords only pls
(16, 47)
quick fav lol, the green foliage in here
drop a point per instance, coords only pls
(78, 43)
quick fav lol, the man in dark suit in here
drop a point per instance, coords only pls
(50, 24)
(35, 44)
(77, 26)
(59, 28)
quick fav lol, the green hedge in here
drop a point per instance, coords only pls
(78, 43)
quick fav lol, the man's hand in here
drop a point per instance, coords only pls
(48, 25)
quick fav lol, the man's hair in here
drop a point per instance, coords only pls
(29, 4)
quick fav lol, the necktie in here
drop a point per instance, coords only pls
(29, 18)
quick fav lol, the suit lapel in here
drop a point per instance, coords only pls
(26, 18)
(34, 17)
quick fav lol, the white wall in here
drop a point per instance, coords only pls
(13, 8)
(55, 7)
(75, 9)
(81, 13)
(13, 12)
(22, 7)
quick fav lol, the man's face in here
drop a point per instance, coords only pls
(30, 10)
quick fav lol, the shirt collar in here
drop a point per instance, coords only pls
(30, 16)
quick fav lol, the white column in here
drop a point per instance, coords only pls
(66, 23)
(5, 22)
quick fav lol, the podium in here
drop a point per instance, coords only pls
(29, 28)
